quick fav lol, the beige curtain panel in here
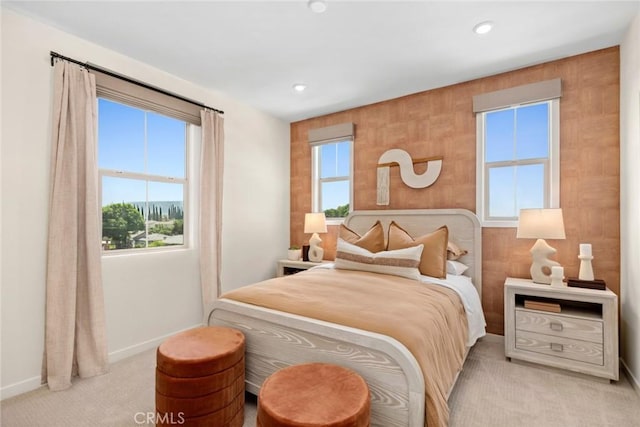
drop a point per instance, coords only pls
(210, 218)
(75, 338)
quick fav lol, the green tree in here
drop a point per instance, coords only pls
(119, 220)
(162, 229)
(169, 229)
(339, 212)
(178, 227)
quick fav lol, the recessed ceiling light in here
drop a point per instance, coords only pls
(299, 87)
(317, 6)
(483, 27)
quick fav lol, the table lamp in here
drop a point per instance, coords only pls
(541, 224)
(315, 223)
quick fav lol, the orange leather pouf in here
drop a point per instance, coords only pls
(200, 378)
(314, 395)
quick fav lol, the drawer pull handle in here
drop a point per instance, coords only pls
(556, 347)
(556, 326)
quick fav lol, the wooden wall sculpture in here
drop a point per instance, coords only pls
(402, 159)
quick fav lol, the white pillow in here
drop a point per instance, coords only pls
(456, 267)
(400, 262)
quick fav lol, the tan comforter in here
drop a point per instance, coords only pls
(428, 319)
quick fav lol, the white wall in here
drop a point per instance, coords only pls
(630, 198)
(147, 296)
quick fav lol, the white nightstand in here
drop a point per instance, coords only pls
(582, 337)
(286, 266)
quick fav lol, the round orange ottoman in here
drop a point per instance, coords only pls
(200, 378)
(314, 395)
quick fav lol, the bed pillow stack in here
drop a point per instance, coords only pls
(439, 255)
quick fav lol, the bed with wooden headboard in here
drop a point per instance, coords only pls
(276, 339)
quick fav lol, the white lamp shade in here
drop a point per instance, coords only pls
(315, 223)
(540, 224)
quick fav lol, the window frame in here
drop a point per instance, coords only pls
(316, 180)
(146, 178)
(551, 165)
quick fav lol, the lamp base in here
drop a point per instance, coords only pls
(316, 253)
(541, 263)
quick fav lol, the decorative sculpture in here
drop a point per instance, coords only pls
(407, 174)
(557, 276)
(586, 269)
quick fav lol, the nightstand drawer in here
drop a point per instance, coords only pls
(581, 351)
(559, 326)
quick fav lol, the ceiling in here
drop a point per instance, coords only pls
(353, 54)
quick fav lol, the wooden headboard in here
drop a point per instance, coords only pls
(464, 230)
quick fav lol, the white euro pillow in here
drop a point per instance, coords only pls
(456, 267)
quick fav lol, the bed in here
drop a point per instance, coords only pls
(276, 339)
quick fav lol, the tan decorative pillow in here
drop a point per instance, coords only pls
(454, 252)
(373, 240)
(434, 255)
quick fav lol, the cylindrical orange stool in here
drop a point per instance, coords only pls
(200, 378)
(314, 395)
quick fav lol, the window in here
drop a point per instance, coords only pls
(518, 161)
(332, 171)
(142, 161)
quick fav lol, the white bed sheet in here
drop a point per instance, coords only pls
(468, 295)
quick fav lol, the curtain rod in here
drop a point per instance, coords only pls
(89, 66)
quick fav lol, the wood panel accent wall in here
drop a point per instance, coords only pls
(440, 122)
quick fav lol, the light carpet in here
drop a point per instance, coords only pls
(490, 392)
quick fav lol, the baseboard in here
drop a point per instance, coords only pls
(632, 379)
(33, 383)
(124, 353)
(20, 387)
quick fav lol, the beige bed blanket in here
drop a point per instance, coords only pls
(428, 319)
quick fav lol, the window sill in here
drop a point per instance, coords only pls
(334, 221)
(500, 224)
(114, 253)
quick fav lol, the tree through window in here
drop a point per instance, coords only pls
(142, 158)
